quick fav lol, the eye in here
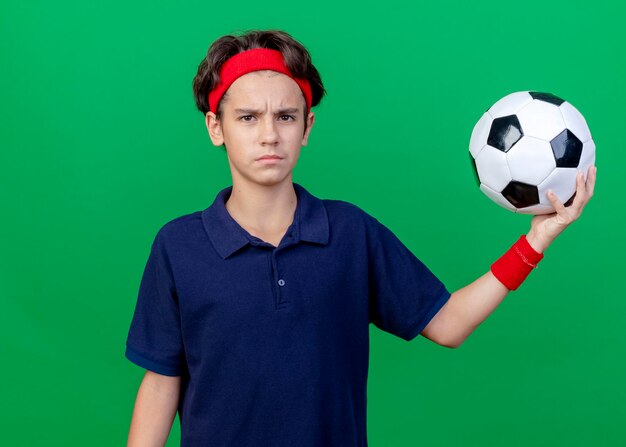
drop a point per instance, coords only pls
(246, 117)
(287, 117)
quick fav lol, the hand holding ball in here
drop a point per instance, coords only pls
(526, 144)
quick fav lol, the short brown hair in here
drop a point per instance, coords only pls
(296, 57)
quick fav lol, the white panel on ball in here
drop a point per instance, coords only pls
(531, 160)
(562, 182)
(536, 209)
(541, 119)
(492, 168)
(496, 197)
(480, 134)
(575, 122)
(510, 104)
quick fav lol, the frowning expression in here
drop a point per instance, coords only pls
(262, 126)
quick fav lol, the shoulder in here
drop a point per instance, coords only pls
(347, 215)
(351, 220)
(344, 209)
(181, 228)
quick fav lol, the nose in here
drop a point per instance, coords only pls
(268, 131)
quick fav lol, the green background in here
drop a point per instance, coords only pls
(101, 144)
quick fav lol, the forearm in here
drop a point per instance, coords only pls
(465, 310)
(155, 409)
(468, 307)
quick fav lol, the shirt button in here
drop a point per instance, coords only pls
(281, 282)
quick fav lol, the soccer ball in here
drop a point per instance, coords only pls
(526, 144)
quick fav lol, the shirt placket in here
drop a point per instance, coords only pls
(278, 275)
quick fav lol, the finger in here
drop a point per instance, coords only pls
(557, 204)
(581, 195)
(591, 180)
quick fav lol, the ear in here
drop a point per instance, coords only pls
(214, 127)
(310, 119)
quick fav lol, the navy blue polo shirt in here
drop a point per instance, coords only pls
(272, 343)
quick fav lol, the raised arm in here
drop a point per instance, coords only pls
(471, 305)
(155, 409)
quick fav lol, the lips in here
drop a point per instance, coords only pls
(270, 157)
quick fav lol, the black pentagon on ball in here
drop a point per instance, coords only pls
(474, 170)
(547, 97)
(505, 132)
(521, 195)
(567, 149)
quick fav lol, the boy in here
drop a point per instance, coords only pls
(252, 316)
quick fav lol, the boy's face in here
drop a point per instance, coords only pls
(262, 115)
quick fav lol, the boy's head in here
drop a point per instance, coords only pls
(256, 92)
(295, 56)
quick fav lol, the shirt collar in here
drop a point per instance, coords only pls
(227, 236)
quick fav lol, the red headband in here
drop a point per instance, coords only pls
(254, 60)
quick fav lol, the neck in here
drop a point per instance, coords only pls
(263, 209)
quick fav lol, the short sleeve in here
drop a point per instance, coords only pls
(154, 339)
(404, 294)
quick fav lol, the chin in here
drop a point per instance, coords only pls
(272, 181)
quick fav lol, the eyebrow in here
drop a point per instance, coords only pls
(258, 112)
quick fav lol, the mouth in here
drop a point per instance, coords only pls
(270, 157)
